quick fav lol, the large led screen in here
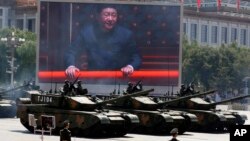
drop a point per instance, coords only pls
(145, 37)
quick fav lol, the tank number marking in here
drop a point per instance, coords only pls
(44, 99)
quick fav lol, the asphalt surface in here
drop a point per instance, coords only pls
(12, 130)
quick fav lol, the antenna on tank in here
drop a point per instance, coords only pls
(114, 92)
(55, 88)
(119, 90)
(51, 77)
(168, 91)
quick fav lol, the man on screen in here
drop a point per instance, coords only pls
(108, 46)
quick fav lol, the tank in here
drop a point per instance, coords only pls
(7, 108)
(153, 119)
(86, 113)
(210, 119)
(7, 101)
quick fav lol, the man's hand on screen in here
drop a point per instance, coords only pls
(72, 71)
(127, 70)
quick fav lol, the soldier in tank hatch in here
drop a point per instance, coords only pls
(79, 89)
(66, 87)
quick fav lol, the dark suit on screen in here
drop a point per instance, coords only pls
(105, 50)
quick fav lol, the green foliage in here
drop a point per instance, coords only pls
(3, 63)
(222, 67)
(25, 55)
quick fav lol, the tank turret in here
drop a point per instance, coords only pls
(195, 101)
(7, 93)
(86, 113)
(176, 100)
(7, 101)
(77, 102)
(213, 104)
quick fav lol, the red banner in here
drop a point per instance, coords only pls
(238, 5)
(218, 4)
(198, 4)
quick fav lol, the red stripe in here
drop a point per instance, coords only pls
(238, 5)
(218, 4)
(110, 74)
(158, 56)
(198, 4)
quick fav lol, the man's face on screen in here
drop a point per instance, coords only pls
(108, 18)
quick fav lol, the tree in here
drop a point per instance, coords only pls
(3, 63)
(25, 55)
(221, 67)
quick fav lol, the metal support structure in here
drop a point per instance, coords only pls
(12, 43)
(245, 80)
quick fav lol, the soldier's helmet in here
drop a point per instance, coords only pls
(130, 84)
(174, 131)
(66, 81)
(79, 82)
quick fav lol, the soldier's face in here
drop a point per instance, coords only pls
(108, 18)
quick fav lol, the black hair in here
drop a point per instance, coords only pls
(65, 123)
(99, 8)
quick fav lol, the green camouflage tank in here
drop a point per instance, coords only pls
(86, 114)
(7, 101)
(210, 119)
(153, 119)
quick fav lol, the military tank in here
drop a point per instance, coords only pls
(85, 112)
(7, 101)
(210, 119)
(154, 119)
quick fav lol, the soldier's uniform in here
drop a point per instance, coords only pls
(65, 135)
(130, 88)
(66, 87)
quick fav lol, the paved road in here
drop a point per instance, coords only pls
(12, 130)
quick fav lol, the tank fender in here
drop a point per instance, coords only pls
(167, 117)
(192, 117)
(23, 101)
(132, 118)
(103, 119)
(221, 117)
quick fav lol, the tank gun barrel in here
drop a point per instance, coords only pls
(185, 97)
(228, 100)
(16, 88)
(140, 93)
